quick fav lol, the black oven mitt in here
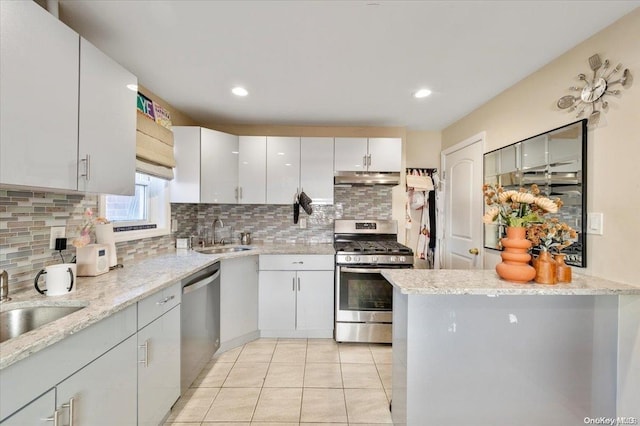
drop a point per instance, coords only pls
(296, 208)
(305, 203)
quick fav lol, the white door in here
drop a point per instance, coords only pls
(385, 155)
(316, 169)
(39, 62)
(315, 300)
(277, 300)
(463, 210)
(283, 169)
(252, 170)
(350, 154)
(107, 124)
(218, 167)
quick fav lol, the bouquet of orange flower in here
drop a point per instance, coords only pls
(552, 235)
(517, 208)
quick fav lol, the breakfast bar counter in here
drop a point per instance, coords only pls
(470, 348)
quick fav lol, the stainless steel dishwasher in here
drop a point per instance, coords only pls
(200, 322)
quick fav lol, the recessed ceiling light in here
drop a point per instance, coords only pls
(422, 93)
(133, 87)
(239, 91)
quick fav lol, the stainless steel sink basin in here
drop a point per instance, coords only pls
(19, 320)
(219, 250)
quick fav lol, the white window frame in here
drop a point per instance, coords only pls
(162, 229)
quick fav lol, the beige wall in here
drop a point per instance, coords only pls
(528, 108)
(178, 118)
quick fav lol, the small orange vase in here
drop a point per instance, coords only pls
(546, 269)
(515, 257)
(563, 271)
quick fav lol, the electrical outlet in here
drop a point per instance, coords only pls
(56, 232)
(303, 223)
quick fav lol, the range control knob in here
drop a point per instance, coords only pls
(356, 259)
(348, 258)
(374, 259)
(393, 259)
(402, 259)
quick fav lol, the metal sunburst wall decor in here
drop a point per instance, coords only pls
(594, 89)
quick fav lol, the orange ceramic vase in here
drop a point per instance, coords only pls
(515, 257)
(563, 271)
(546, 269)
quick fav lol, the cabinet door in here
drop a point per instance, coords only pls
(185, 186)
(35, 413)
(277, 300)
(39, 103)
(350, 154)
(283, 169)
(315, 300)
(159, 367)
(316, 169)
(218, 167)
(239, 296)
(385, 154)
(104, 391)
(107, 126)
(252, 169)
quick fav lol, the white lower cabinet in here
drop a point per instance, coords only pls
(239, 296)
(294, 301)
(103, 392)
(158, 367)
(38, 412)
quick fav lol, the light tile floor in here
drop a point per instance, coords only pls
(278, 382)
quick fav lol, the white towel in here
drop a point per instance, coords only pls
(420, 183)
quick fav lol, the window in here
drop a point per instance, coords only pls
(143, 215)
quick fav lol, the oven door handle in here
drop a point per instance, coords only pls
(361, 270)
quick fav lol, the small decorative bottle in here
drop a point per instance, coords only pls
(563, 271)
(546, 269)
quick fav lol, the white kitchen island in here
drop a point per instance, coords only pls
(471, 349)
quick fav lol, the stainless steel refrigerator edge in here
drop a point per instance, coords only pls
(200, 322)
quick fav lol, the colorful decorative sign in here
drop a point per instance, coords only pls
(145, 106)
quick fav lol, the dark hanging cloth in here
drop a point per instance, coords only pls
(432, 219)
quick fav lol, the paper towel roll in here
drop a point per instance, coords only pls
(104, 235)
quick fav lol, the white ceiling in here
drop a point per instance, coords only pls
(352, 63)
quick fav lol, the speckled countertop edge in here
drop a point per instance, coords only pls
(487, 282)
(107, 294)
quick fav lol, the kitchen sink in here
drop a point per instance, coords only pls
(219, 250)
(19, 320)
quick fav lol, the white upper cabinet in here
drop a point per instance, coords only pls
(316, 169)
(218, 167)
(385, 154)
(350, 154)
(39, 60)
(283, 169)
(185, 186)
(107, 127)
(63, 103)
(252, 170)
(368, 154)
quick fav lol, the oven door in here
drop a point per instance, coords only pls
(362, 295)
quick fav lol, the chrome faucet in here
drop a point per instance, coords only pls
(216, 220)
(4, 286)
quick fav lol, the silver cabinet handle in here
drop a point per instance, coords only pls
(369, 160)
(300, 262)
(70, 406)
(166, 299)
(364, 161)
(87, 167)
(236, 193)
(145, 346)
(55, 418)
(293, 284)
(298, 283)
(241, 193)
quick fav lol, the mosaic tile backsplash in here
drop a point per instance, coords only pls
(27, 216)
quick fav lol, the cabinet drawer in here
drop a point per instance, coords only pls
(303, 262)
(153, 306)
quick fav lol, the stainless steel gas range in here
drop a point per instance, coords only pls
(363, 297)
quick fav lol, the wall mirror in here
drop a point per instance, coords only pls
(556, 162)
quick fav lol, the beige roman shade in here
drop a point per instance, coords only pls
(154, 148)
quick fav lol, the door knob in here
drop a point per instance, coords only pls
(474, 251)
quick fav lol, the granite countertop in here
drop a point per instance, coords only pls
(112, 292)
(487, 282)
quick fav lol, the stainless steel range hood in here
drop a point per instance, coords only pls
(367, 178)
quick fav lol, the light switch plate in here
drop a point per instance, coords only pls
(595, 223)
(56, 232)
